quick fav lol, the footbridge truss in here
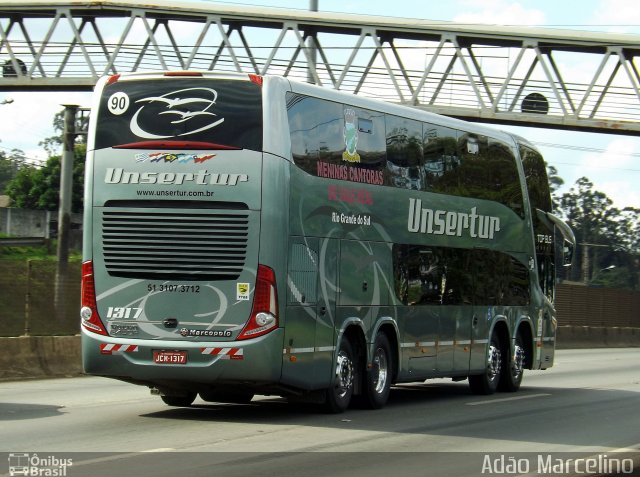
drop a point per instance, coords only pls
(527, 76)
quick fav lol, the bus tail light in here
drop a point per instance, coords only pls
(113, 79)
(264, 314)
(90, 319)
(257, 79)
(182, 73)
(176, 145)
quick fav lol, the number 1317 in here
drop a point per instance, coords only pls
(123, 312)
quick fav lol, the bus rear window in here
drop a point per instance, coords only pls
(224, 112)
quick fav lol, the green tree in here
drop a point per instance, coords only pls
(10, 164)
(608, 249)
(19, 188)
(7, 172)
(39, 188)
(53, 143)
(629, 229)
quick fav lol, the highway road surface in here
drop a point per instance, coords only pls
(583, 414)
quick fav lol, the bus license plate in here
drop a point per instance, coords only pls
(170, 357)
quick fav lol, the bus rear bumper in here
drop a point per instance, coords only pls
(256, 361)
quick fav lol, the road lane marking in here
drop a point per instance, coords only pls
(516, 398)
(119, 456)
(630, 449)
(160, 449)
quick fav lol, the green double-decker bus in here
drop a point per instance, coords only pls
(250, 235)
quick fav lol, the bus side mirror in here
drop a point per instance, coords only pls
(567, 237)
(567, 253)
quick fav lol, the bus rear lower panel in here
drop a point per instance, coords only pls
(256, 361)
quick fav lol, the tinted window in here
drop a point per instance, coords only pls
(337, 141)
(404, 153)
(225, 112)
(316, 131)
(499, 279)
(536, 176)
(471, 165)
(488, 171)
(441, 162)
(343, 142)
(451, 276)
(540, 197)
(364, 137)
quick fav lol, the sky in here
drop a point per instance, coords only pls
(611, 162)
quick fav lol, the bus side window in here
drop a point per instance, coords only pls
(519, 289)
(537, 181)
(316, 130)
(364, 138)
(420, 275)
(488, 170)
(500, 279)
(441, 161)
(432, 275)
(404, 153)
(540, 199)
(504, 176)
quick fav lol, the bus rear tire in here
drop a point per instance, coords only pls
(338, 396)
(179, 401)
(514, 370)
(487, 382)
(378, 378)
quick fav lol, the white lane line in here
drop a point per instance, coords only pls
(117, 456)
(516, 398)
(622, 450)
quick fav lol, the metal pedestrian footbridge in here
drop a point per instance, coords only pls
(527, 76)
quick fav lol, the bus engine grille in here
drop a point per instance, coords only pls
(167, 245)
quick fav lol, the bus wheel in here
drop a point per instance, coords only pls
(378, 378)
(513, 372)
(179, 401)
(487, 382)
(339, 394)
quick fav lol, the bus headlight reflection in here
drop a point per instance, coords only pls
(85, 313)
(264, 319)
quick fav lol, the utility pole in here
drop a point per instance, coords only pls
(586, 278)
(313, 50)
(586, 259)
(64, 208)
(66, 182)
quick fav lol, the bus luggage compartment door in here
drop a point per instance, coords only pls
(310, 312)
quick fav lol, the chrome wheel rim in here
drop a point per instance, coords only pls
(344, 374)
(494, 362)
(518, 361)
(380, 370)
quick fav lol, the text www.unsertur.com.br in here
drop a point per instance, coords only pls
(175, 193)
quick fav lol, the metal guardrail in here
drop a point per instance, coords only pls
(22, 241)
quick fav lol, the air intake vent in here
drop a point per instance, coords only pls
(175, 245)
